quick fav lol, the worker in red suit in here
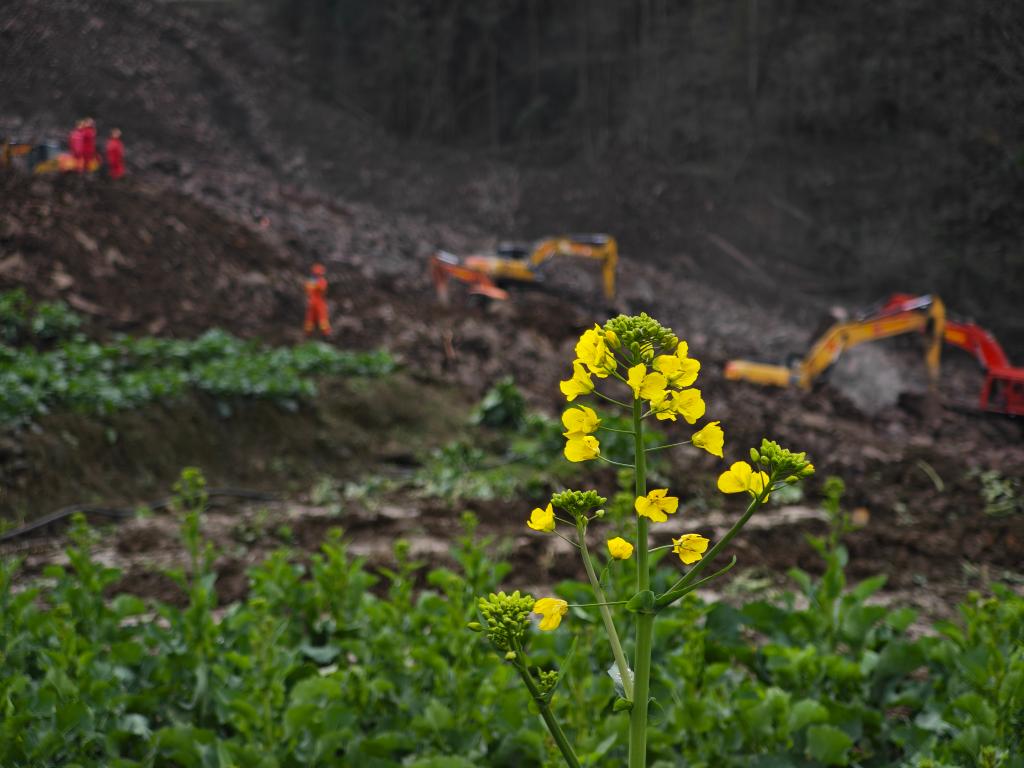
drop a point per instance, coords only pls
(75, 145)
(88, 143)
(114, 150)
(316, 302)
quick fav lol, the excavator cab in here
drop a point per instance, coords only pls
(514, 250)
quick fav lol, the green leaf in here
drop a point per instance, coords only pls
(323, 654)
(805, 712)
(981, 713)
(642, 602)
(868, 587)
(828, 744)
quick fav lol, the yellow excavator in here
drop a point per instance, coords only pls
(899, 315)
(39, 159)
(524, 262)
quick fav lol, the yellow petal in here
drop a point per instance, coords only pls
(542, 519)
(656, 505)
(580, 420)
(653, 386)
(552, 609)
(582, 448)
(689, 404)
(711, 438)
(736, 479)
(690, 547)
(687, 373)
(635, 378)
(758, 483)
(579, 384)
(667, 364)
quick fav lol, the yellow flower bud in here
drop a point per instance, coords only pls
(619, 548)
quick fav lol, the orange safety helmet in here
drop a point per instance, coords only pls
(319, 269)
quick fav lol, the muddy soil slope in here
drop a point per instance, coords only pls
(239, 178)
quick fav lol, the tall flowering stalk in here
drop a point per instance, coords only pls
(637, 365)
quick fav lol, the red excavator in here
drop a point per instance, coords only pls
(1002, 392)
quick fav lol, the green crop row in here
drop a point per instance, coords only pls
(22, 321)
(328, 664)
(96, 379)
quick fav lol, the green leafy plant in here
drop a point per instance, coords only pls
(98, 379)
(503, 406)
(328, 662)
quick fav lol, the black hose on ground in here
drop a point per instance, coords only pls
(123, 513)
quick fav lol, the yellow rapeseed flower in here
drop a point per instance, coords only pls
(646, 386)
(656, 505)
(741, 477)
(619, 548)
(711, 438)
(542, 520)
(579, 384)
(690, 547)
(593, 352)
(579, 421)
(552, 609)
(680, 369)
(664, 406)
(582, 448)
(689, 404)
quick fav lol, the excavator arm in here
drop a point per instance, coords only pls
(603, 248)
(445, 267)
(1003, 389)
(901, 315)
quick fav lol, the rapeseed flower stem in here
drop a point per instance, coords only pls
(566, 538)
(755, 504)
(644, 621)
(668, 445)
(545, 712)
(616, 463)
(606, 615)
(678, 591)
(613, 429)
(611, 399)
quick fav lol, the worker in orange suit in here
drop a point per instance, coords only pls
(75, 145)
(316, 302)
(88, 145)
(114, 151)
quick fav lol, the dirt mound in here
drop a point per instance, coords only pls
(130, 258)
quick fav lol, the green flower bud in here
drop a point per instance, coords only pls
(546, 682)
(577, 503)
(754, 455)
(475, 626)
(506, 618)
(510, 656)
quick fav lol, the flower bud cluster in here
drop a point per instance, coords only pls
(506, 618)
(782, 463)
(577, 503)
(642, 336)
(547, 680)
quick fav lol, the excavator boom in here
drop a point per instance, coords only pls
(915, 316)
(1002, 392)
